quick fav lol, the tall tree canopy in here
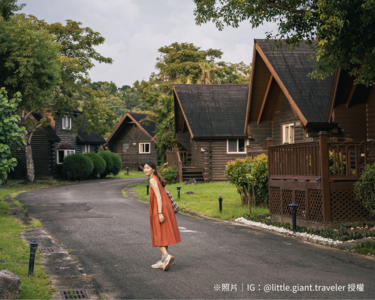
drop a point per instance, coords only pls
(9, 7)
(344, 29)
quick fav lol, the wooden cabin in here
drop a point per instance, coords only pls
(52, 143)
(209, 124)
(304, 123)
(134, 140)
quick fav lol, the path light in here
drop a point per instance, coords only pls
(33, 247)
(127, 170)
(220, 203)
(147, 186)
(294, 213)
(68, 175)
(178, 190)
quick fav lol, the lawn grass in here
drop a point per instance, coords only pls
(14, 253)
(132, 174)
(365, 247)
(205, 199)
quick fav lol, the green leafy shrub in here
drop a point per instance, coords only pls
(106, 155)
(250, 176)
(169, 173)
(99, 163)
(364, 189)
(78, 165)
(117, 163)
(338, 162)
(365, 247)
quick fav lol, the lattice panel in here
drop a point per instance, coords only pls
(300, 199)
(344, 206)
(275, 201)
(316, 209)
(287, 199)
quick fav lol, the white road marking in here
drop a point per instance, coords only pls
(181, 228)
(187, 231)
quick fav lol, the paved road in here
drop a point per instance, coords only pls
(110, 235)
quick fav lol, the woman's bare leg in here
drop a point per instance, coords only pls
(164, 251)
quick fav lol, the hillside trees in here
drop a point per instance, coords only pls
(344, 30)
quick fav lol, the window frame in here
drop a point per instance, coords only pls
(283, 125)
(127, 149)
(69, 121)
(149, 148)
(65, 154)
(86, 148)
(242, 152)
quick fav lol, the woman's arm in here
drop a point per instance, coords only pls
(155, 188)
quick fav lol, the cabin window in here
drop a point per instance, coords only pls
(144, 148)
(288, 133)
(62, 153)
(86, 148)
(125, 147)
(66, 122)
(236, 146)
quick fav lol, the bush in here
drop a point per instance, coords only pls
(78, 165)
(169, 173)
(108, 158)
(364, 189)
(117, 163)
(250, 176)
(99, 163)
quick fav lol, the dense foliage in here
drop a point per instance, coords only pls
(9, 7)
(11, 135)
(117, 163)
(99, 164)
(78, 165)
(364, 189)
(344, 30)
(169, 173)
(250, 176)
(108, 157)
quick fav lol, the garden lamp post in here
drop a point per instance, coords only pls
(178, 190)
(147, 186)
(127, 170)
(220, 203)
(294, 213)
(33, 247)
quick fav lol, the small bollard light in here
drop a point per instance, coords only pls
(68, 175)
(33, 247)
(178, 190)
(220, 203)
(294, 214)
(127, 170)
(147, 186)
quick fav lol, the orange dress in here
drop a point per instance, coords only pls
(166, 233)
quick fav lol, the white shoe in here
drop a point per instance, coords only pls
(158, 265)
(167, 263)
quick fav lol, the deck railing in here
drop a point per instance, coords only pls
(128, 158)
(174, 158)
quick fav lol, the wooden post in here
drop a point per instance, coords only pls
(269, 141)
(324, 174)
(248, 150)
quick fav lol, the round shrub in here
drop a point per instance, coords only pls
(99, 163)
(117, 163)
(108, 157)
(169, 173)
(364, 189)
(78, 165)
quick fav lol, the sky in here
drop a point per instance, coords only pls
(134, 30)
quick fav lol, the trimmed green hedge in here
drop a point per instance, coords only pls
(78, 165)
(99, 164)
(117, 163)
(113, 161)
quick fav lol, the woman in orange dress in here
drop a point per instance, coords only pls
(163, 223)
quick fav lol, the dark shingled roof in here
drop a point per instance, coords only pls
(292, 66)
(147, 125)
(91, 138)
(214, 110)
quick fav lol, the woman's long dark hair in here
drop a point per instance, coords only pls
(156, 173)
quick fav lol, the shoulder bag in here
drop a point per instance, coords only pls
(175, 206)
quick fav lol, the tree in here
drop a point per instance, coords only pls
(8, 7)
(344, 30)
(11, 134)
(29, 63)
